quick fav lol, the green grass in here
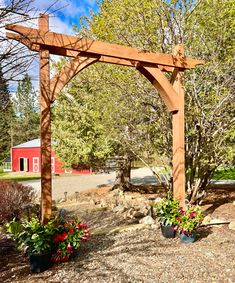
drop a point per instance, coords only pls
(19, 176)
(225, 174)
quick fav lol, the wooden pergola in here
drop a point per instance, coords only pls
(84, 52)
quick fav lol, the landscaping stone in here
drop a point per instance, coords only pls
(119, 209)
(206, 220)
(147, 220)
(231, 225)
(138, 214)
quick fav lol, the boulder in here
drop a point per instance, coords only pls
(206, 220)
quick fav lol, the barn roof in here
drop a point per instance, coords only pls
(32, 143)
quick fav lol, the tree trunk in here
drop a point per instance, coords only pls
(123, 174)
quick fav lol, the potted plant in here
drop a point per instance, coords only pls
(167, 212)
(187, 222)
(67, 239)
(56, 241)
(36, 238)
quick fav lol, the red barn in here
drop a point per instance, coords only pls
(26, 157)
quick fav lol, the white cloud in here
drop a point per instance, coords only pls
(62, 13)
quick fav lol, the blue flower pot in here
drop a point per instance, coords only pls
(168, 231)
(188, 238)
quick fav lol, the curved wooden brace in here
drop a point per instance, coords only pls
(162, 85)
(71, 68)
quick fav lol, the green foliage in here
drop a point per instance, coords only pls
(25, 125)
(167, 211)
(58, 236)
(224, 174)
(188, 220)
(32, 234)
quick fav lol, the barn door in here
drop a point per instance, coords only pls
(24, 164)
(35, 164)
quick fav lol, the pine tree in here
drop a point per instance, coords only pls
(5, 119)
(26, 107)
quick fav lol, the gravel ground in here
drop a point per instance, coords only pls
(138, 253)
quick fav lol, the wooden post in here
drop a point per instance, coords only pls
(46, 184)
(178, 136)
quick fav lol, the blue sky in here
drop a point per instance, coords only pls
(63, 14)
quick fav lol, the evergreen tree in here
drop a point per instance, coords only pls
(5, 119)
(26, 108)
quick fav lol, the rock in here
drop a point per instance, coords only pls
(234, 202)
(138, 214)
(103, 203)
(129, 213)
(119, 209)
(147, 220)
(93, 202)
(231, 225)
(144, 209)
(157, 200)
(206, 220)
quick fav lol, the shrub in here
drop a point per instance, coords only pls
(13, 197)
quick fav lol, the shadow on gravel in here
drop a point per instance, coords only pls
(203, 232)
(12, 263)
(218, 196)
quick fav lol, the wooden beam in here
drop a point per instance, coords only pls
(174, 75)
(52, 39)
(74, 54)
(162, 85)
(71, 68)
(179, 137)
(46, 182)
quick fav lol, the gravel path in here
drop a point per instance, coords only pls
(122, 252)
(78, 183)
(138, 256)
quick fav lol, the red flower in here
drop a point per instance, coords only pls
(178, 218)
(63, 236)
(82, 225)
(71, 230)
(69, 248)
(192, 214)
(56, 238)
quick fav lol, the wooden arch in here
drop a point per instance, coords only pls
(84, 52)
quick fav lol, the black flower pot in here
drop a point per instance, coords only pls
(168, 231)
(188, 238)
(40, 262)
(74, 254)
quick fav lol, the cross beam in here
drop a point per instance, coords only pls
(84, 52)
(67, 42)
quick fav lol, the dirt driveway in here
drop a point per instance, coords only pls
(78, 183)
